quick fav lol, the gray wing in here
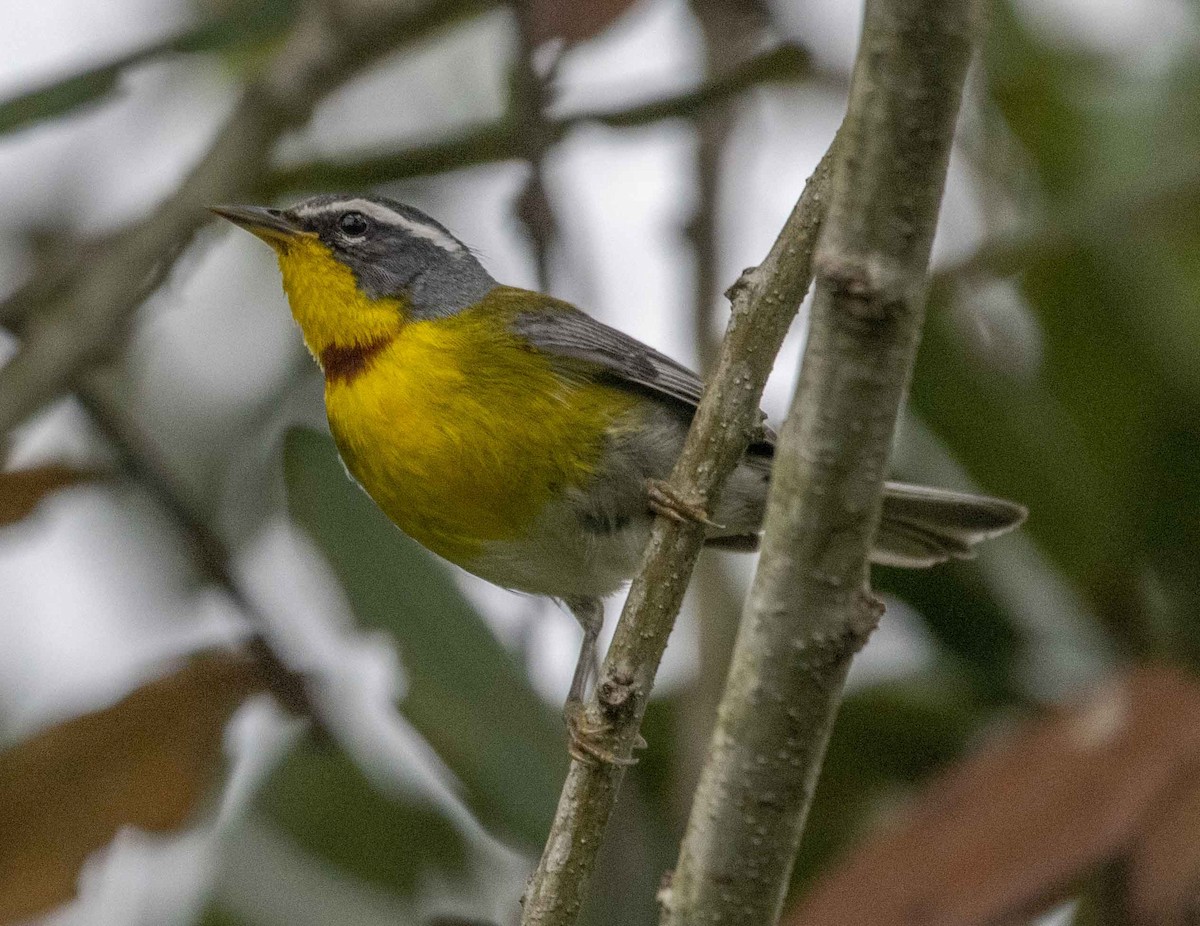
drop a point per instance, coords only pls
(567, 332)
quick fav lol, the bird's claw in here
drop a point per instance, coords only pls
(666, 501)
(584, 735)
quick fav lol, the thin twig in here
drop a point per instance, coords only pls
(81, 320)
(731, 32)
(765, 300)
(810, 608)
(530, 100)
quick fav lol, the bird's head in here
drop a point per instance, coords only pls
(356, 268)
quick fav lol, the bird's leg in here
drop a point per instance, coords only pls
(666, 501)
(590, 614)
(583, 731)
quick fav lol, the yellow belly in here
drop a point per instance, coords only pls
(462, 436)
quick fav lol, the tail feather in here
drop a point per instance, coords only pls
(921, 526)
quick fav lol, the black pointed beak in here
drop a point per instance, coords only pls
(272, 225)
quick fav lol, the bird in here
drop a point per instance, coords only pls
(516, 436)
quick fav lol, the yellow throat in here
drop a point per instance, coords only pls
(457, 430)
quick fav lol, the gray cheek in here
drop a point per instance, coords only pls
(453, 284)
(379, 281)
(436, 283)
(385, 268)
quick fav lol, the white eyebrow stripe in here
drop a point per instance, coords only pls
(387, 216)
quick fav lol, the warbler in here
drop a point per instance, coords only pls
(511, 433)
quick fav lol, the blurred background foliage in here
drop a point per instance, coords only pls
(178, 537)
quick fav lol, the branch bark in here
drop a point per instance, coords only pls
(731, 31)
(810, 608)
(765, 300)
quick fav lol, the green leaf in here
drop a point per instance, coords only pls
(250, 24)
(1018, 441)
(964, 618)
(216, 915)
(62, 97)
(467, 695)
(1096, 440)
(1037, 88)
(321, 799)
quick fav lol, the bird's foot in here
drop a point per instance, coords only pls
(585, 737)
(666, 501)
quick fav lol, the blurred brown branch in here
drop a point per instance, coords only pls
(502, 140)
(21, 490)
(765, 300)
(531, 96)
(732, 32)
(80, 317)
(142, 462)
(810, 608)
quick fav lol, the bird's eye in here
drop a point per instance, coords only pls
(353, 224)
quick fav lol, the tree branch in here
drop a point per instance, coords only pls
(810, 608)
(81, 318)
(502, 140)
(731, 31)
(765, 300)
(530, 98)
(139, 457)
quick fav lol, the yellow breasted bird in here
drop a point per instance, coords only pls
(511, 433)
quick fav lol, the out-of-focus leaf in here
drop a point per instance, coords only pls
(466, 694)
(324, 802)
(216, 915)
(146, 762)
(1163, 871)
(21, 490)
(1172, 533)
(1037, 88)
(1021, 440)
(1094, 440)
(964, 619)
(251, 23)
(572, 20)
(1016, 825)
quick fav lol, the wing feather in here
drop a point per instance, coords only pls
(568, 333)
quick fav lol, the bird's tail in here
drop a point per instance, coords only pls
(921, 527)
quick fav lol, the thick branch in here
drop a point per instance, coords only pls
(810, 608)
(80, 319)
(765, 301)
